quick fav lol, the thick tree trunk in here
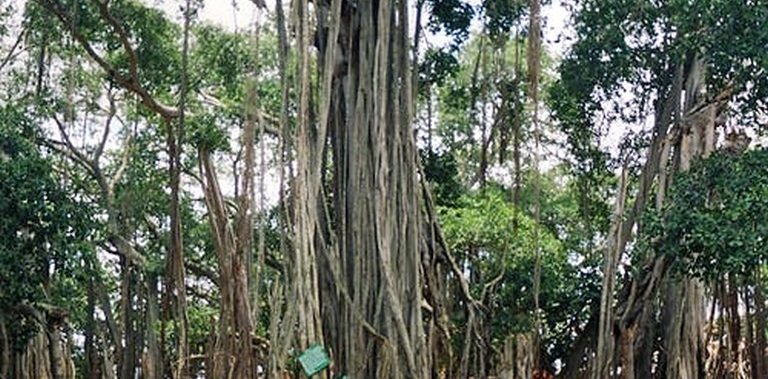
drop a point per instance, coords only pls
(47, 353)
(233, 239)
(374, 249)
(684, 334)
(307, 186)
(684, 339)
(638, 296)
(692, 137)
(518, 357)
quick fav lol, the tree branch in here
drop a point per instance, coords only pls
(123, 248)
(61, 148)
(9, 57)
(272, 128)
(81, 158)
(110, 115)
(122, 35)
(129, 83)
(123, 164)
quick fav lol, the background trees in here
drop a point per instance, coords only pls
(420, 188)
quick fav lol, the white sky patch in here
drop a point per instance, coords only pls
(229, 14)
(236, 14)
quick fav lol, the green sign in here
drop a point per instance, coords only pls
(314, 360)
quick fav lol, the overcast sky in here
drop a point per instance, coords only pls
(233, 14)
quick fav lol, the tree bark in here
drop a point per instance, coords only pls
(232, 355)
(639, 294)
(5, 349)
(92, 365)
(604, 361)
(152, 362)
(127, 358)
(760, 328)
(684, 339)
(374, 246)
(46, 354)
(534, 64)
(175, 285)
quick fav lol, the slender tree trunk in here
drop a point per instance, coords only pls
(604, 361)
(233, 355)
(534, 62)
(5, 349)
(280, 338)
(128, 357)
(760, 328)
(113, 332)
(152, 361)
(485, 135)
(517, 133)
(92, 364)
(175, 264)
(749, 319)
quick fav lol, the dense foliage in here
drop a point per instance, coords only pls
(44, 231)
(715, 222)
(186, 198)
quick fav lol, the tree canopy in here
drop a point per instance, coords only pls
(383, 189)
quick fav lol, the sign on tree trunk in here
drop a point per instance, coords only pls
(314, 360)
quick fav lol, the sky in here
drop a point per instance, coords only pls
(233, 14)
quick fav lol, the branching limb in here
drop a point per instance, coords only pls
(71, 147)
(130, 83)
(123, 165)
(272, 128)
(11, 53)
(122, 35)
(110, 115)
(61, 148)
